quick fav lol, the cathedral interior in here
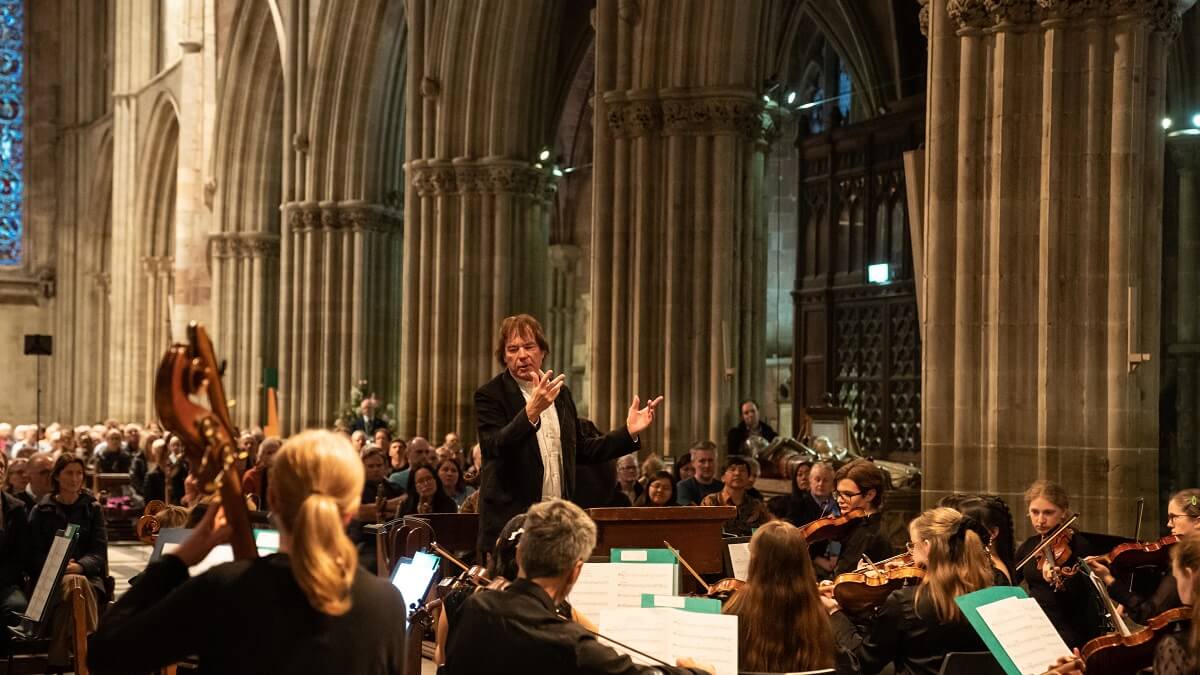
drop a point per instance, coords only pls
(973, 224)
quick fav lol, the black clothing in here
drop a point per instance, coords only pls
(864, 538)
(249, 616)
(512, 467)
(154, 486)
(90, 549)
(1073, 610)
(905, 634)
(137, 474)
(737, 437)
(14, 541)
(1172, 655)
(1143, 608)
(115, 462)
(369, 427)
(517, 631)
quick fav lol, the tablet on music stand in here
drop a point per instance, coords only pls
(413, 577)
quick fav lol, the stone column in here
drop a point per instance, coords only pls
(1043, 250)
(560, 316)
(1185, 151)
(677, 217)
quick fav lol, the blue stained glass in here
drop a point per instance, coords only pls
(12, 129)
(844, 89)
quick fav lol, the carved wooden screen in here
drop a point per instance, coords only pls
(858, 340)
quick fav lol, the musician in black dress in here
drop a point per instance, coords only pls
(918, 625)
(996, 517)
(861, 485)
(1069, 601)
(1176, 652)
(1183, 513)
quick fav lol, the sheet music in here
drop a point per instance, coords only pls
(222, 553)
(670, 634)
(739, 557)
(607, 585)
(48, 580)
(1025, 633)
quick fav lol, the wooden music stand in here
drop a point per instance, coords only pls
(454, 532)
(694, 530)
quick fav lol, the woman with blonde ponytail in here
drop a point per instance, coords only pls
(309, 608)
(919, 625)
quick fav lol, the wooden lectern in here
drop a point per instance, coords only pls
(694, 530)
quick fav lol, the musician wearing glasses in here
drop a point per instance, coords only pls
(861, 485)
(1183, 513)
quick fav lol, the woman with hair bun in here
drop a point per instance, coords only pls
(308, 609)
(919, 625)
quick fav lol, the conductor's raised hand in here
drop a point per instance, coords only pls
(545, 390)
(640, 418)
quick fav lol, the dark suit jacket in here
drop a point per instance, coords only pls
(360, 424)
(512, 468)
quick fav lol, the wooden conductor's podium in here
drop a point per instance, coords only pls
(694, 530)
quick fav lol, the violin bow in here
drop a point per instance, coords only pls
(448, 556)
(679, 557)
(1046, 542)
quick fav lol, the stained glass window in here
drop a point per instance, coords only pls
(844, 89)
(12, 129)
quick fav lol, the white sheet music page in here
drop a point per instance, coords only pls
(1025, 633)
(739, 557)
(47, 580)
(608, 585)
(671, 634)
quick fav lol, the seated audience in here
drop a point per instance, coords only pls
(704, 482)
(472, 473)
(367, 420)
(420, 453)
(470, 504)
(918, 625)
(452, 442)
(650, 466)
(782, 626)
(397, 456)
(14, 545)
(16, 477)
(520, 625)
(450, 476)
(87, 566)
(154, 484)
(358, 439)
(423, 493)
(684, 469)
(114, 456)
(751, 434)
(798, 500)
(751, 511)
(313, 610)
(376, 490)
(247, 451)
(816, 500)
(256, 480)
(627, 478)
(38, 468)
(1176, 652)
(142, 462)
(660, 491)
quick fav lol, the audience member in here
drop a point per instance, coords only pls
(684, 469)
(377, 492)
(660, 491)
(312, 609)
(650, 466)
(397, 456)
(751, 512)
(39, 468)
(817, 501)
(114, 455)
(751, 434)
(424, 495)
(367, 420)
(471, 475)
(382, 438)
(132, 434)
(420, 453)
(16, 477)
(358, 439)
(453, 442)
(154, 485)
(142, 461)
(256, 480)
(450, 477)
(627, 478)
(247, 449)
(692, 490)
(800, 501)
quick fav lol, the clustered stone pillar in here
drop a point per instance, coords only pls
(341, 324)
(678, 244)
(475, 251)
(1042, 259)
(561, 313)
(245, 272)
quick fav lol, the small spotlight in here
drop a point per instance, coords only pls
(558, 172)
(537, 165)
(1167, 122)
(545, 155)
(791, 97)
(1196, 120)
(766, 99)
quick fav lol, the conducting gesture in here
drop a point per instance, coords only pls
(640, 418)
(545, 390)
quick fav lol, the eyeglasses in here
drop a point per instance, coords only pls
(846, 495)
(1172, 516)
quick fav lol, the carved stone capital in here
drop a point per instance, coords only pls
(1164, 16)
(1009, 12)
(968, 14)
(496, 175)
(923, 17)
(1185, 152)
(685, 112)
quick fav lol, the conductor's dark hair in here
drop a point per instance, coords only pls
(520, 324)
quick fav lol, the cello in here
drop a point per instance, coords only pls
(190, 401)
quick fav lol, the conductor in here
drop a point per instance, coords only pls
(529, 432)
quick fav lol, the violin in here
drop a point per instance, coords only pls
(866, 588)
(1054, 552)
(832, 527)
(1129, 648)
(722, 590)
(187, 376)
(1127, 557)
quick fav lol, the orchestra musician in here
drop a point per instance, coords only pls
(918, 625)
(861, 485)
(529, 432)
(520, 626)
(996, 517)
(307, 609)
(1183, 513)
(782, 626)
(1071, 603)
(1176, 652)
